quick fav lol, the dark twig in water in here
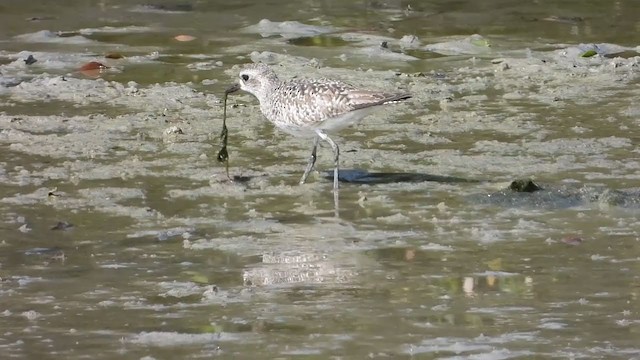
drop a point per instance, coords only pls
(223, 154)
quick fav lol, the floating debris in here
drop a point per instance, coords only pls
(30, 60)
(286, 29)
(93, 65)
(62, 225)
(53, 193)
(24, 228)
(93, 69)
(184, 38)
(524, 185)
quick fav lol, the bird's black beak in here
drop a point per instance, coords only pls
(233, 88)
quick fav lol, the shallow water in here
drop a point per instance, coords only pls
(121, 237)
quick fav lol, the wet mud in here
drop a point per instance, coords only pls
(493, 215)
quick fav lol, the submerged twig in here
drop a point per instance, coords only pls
(223, 154)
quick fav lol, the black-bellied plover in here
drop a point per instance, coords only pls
(310, 107)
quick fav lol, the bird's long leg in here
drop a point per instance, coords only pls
(312, 160)
(336, 157)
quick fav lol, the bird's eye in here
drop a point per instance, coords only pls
(244, 77)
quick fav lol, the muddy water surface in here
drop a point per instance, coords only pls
(122, 238)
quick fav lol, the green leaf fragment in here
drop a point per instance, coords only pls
(480, 42)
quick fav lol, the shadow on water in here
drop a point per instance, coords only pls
(520, 193)
(357, 176)
(526, 193)
(240, 179)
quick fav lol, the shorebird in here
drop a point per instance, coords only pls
(311, 107)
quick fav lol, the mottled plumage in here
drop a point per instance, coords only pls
(311, 107)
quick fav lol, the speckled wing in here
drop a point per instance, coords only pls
(309, 101)
(361, 99)
(319, 99)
